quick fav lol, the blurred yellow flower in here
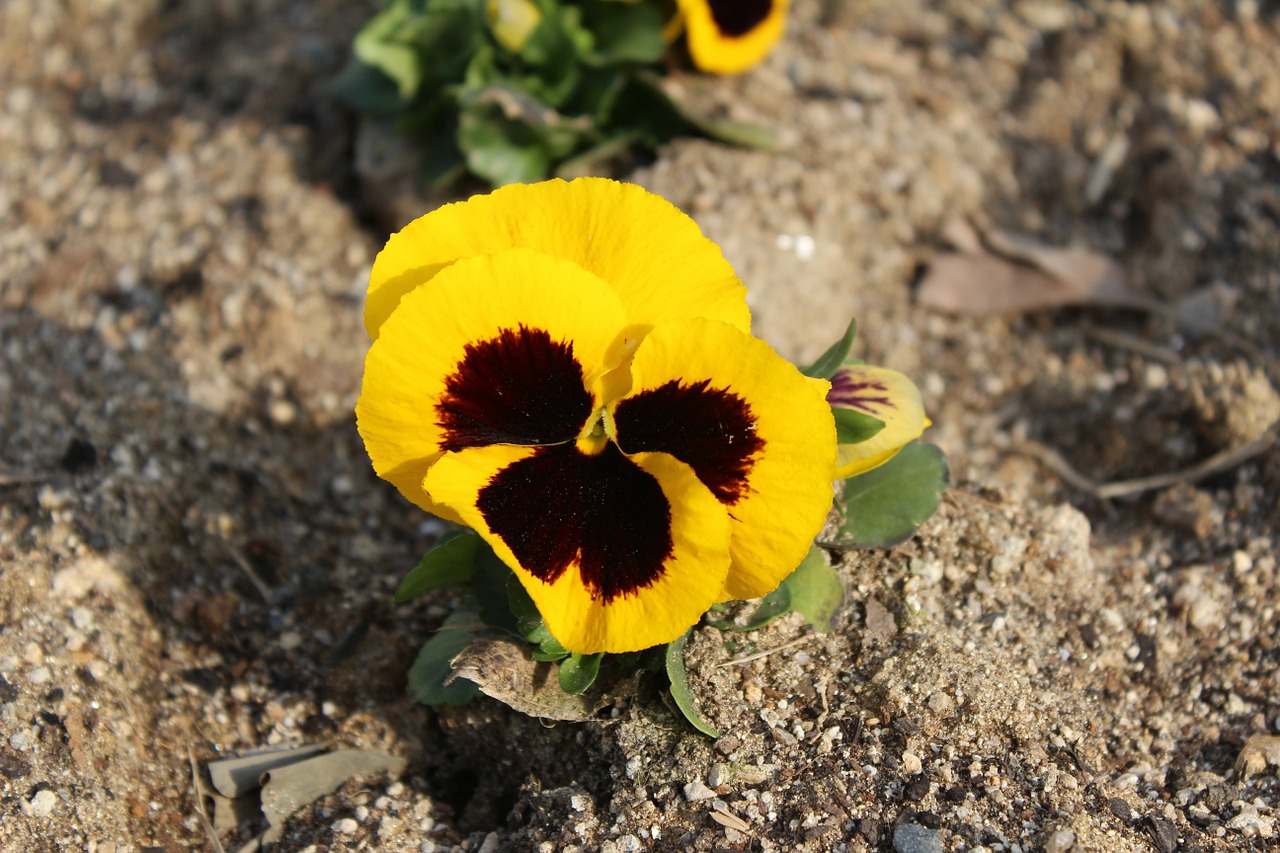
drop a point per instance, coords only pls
(729, 36)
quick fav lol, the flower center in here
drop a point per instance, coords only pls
(597, 433)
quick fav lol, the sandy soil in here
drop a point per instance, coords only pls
(197, 561)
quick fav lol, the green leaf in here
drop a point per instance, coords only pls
(550, 650)
(829, 362)
(591, 161)
(528, 620)
(740, 133)
(816, 589)
(680, 686)
(854, 427)
(508, 137)
(365, 88)
(578, 672)
(884, 506)
(378, 45)
(624, 32)
(773, 605)
(429, 672)
(449, 563)
(491, 593)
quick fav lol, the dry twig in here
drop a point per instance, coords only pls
(1219, 462)
(765, 653)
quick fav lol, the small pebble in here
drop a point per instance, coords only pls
(39, 675)
(696, 791)
(913, 838)
(1060, 842)
(718, 776)
(490, 844)
(43, 803)
(627, 844)
(20, 741)
(346, 826)
(82, 618)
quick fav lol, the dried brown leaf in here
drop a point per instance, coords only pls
(1000, 273)
(289, 788)
(506, 671)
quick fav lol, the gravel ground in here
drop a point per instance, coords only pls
(197, 560)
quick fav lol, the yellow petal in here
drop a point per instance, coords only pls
(757, 432)
(618, 553)
(884, 394)
(653, 256)
(503, 348)
(728, 36)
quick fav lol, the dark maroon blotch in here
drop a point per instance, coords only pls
(712, 430)
(561, 506)
(736, 18)
(854, 394)
(520, 387)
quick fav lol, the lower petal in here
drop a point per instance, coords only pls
(619, 553)
(758, 433)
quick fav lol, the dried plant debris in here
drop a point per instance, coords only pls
(506, 671)
(289, 779)
(995, 272)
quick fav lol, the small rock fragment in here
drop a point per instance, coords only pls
(1257, 753)
(1060, 841)
(346, 826)
(914, 838)
(43, 803)
(718, 776)
(697, 790)
(627, 844)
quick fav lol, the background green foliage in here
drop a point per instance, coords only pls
(580, 89)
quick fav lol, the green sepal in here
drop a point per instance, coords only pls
(578, 672)
(854, 427)
(432, 668)
(884, 506)
(829, 362)
(450, 563)
(680, 691)
(816, 589)
(550, 650)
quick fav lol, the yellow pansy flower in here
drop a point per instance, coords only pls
(886, 395)
(728, 36)
(587, 397)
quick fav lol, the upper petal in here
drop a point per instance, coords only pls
(728, 36)
(653, 256)
(502, 350)
(619, 554)
(756, 432)
(884, 394)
